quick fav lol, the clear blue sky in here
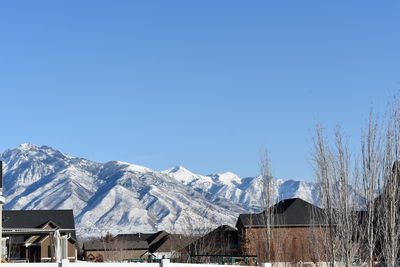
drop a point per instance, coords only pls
(204, 84)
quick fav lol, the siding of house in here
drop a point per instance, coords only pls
(116, 255)
(46, 243)
(294, 244)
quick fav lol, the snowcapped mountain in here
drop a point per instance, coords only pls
(243, 192)
(122, 197)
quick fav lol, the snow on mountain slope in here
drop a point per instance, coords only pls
(33, 174)
(186, 177)
(157, 199)
(243, 192)
(120, 197)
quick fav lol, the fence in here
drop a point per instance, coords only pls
(66, 263)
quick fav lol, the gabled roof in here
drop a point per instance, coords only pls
(157, 237)
(286, 213)
(17, 219)
(150, 238)
(134, 237)
(221, 240)
(115, 245)
(40, 237)
(153, 242)
(138, 241)
(171, 242)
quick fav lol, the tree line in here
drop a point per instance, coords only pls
(359, 192)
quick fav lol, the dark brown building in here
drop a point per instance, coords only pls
(136, 247)
(221, 241)
(295, 233)
(218, 246)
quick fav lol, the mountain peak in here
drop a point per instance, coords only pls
(181, 174)
(185, 176)
(133, 167)
(27, 146)
(228, 177)
(178, 168)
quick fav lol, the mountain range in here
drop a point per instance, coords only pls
(119, 197)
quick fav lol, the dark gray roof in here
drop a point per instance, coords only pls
(37, 218)
(157, 237)
(115, 245)
(171, 242)
(223, 240)
(289, 212)
(64, 219)
(150, 238)
(160, 241)
(137, 241)
(134, 237)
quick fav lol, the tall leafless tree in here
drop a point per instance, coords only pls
(266, 175)
(323, 168)
(345, 185)
(371, 176)
(338, 177)
(376, 174)
(268, 200)
(389, 216)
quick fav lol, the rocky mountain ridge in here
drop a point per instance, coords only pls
(120, 197)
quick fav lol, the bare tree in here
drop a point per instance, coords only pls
(273, 243)
(323, 168)
(338, 177)
(345, 185)
(197, 228)
(371, 152)
(389, 218)
(373, 234)
(268, 200)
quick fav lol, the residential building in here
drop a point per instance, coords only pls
(125, 247)
(114, 250)
(170, 246)
(136, 247)
(220, 241)
(294, 228)
(30, 234)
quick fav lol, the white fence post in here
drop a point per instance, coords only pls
(64, 263)
(165, 263)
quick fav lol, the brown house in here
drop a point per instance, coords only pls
(123, 247)
(295, 233)
(170, 246)
(30, 234)
(218, 246)
(100, 251)
(220, 241)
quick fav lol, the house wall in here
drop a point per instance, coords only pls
(166, 255)
(45, 249)
(72, 251)
(295, 244)
(116, 255)
(219, 241)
